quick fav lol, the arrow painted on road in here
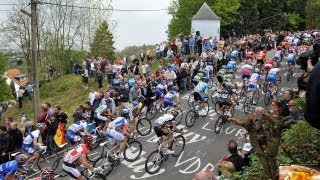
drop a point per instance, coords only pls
(205, 127)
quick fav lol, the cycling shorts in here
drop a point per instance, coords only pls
(223, 102)
(198, 96)
(276, 58)
(72, 137)
(161, 131)
(291, 62)
(249, 57)
(260, 61)
(252, 86)
(168, 102)
(246, 76)
(272, 78)
(28, 148)
(113, 135)
(71, 170)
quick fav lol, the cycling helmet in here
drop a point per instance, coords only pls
(41, 125)
(256, 70)
(46, 172)
(21, 159)
(87, 139)
(125, 113)
(251, 85)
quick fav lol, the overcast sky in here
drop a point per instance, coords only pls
(133, 28)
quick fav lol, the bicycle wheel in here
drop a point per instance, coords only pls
(190, 118)
(132, 151)
(51, 160)
(107, 164)
(179, 117)
(246, 105)
(144, 127)
(267, 98)
(214, 96)
(206, 107)
(288, 76)
(154, 162)
(190, 100)
(151, 113)
(216, 107)
(178, 145)
(219, 124)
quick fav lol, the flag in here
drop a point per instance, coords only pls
(59, 137)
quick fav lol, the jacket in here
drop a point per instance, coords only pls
(16, 140)
(4, 143)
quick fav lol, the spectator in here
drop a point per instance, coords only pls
(247, 151)
(302, 80)
(87, 112)
(20, 93)
(60, 116)
(8, 121)
(235, 158)
(295, 112)
(92, 96)
(43, 118)
(170, 76)
(96, 101)
(142, 56)
(52, 125)
(50, 111)
(77, 114)
(205, 175)
(99, 76)
(135, 92)
(29, 90)
(16, 137)
(85, 78)
(4, 145)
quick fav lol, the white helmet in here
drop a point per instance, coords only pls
(256, 70)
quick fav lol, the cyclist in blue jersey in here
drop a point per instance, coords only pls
(171, 98)
(200, 93)
(76, 131)
(8, 169)
(118, 131)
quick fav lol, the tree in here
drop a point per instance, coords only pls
(312, 10)
(102, 44)
(6, 93)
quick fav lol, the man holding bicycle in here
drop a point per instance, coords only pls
(78, 156)
(163, 126)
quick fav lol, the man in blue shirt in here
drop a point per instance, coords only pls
(200, 93)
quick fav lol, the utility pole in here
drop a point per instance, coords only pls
(34, 59)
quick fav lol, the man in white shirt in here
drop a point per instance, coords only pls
(170, 75)
(92, 96)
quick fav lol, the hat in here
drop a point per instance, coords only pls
(247, 147)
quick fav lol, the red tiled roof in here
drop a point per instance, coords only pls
(11, 73)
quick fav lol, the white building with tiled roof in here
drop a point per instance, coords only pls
(206, 22)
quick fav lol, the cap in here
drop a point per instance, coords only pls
(247, 147)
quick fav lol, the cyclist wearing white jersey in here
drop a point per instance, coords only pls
(31, 141)
(246, 70)
(118, 131)
(101, 115)
(76, 131)
(272, 77)
(171, 98)
(78, 156)
(162, 126)
(253, 84)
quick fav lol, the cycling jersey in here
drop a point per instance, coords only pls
(228, 77)
(246, 69)
(201, 87)
(159, 89)
(234, 54)
(231, 65)
(277, 55)
(112, 131)
(249, 55)
(10, 167)
(102, 108)
(261, 55)
(74, 154)
(27, 144)
(72, 131)
(169, 98)
(207, 71)
(274, 71)
(164, 119)
(273, 75)
(269, 64)
(77, 126)
(254, 77)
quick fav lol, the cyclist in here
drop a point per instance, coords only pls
(293, 49)
(268, 65)
(253, 84)
(234, 55)
(78, 156)
(278, 55)
(118, 130)
(162, 126)
(231, 66)
(101, 116)
(291, 58)
(208, 71)
(221, 73)
(272, 77)
(224, 98)
(261, 57)
(246, 70)
(76, 131)
(160, 90)
(31, 141)
(197, 77)
(171, 98)
(250, 56)
(8, 169)
(200, 93)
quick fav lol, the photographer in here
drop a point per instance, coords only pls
(309, 61)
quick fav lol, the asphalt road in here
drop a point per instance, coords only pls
(203, 147)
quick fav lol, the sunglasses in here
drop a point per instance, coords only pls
(290, 105)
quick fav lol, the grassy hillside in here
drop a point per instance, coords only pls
(65, 91)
